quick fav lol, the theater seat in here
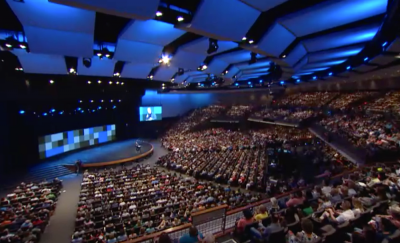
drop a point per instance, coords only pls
(278, 236)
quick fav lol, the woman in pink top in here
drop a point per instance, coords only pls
(295, 199)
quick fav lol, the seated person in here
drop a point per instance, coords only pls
(193, 236)
(262, 213)
(295, 199)
(306, 235)
(247, 219)
(274, 206)
(340, 216)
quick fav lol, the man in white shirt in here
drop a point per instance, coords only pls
(345, 215)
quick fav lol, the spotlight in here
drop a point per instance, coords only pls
(151, 77)
(99, 107)
(89, 82)
(283, 56)
(261, 81)
(21, 112)
(365, 59)
(119, 100)
(122, 83)
(330, 74)
(80, 101)
(315, 77)
(99, 82)
(172, 79)
(8, 45)
(164, 59)
(116, 74)
(102, 101)
(71, 70)
(45, 114)
(282, 82)
(91, 101)
(298, 81)
(212, 46)
(51, 81)
(117, 82)
(110, 82)
(111, 101)
(107, 55)
(22, 46)
(348, 67)
(253, 58)
(53, 110)
(249, 83)
(384, 44)
(236, 84)
(251, 41)
(158, 14)
(99, 54)
(87, 62)
(244, 38)
(226, 71)
(180, 19)
(204, 67)
(61, 112)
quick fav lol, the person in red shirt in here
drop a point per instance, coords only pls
(247, 219)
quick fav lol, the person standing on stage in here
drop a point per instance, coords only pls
(150, 115)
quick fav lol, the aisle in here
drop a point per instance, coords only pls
(62, 223)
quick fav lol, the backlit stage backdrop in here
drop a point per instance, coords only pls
(62, 142)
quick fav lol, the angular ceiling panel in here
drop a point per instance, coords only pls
(151, 31)
(136, 70)
(244, 66)
(264, 5)
(216, 66)
(332, 14)
(276, 40)
(338, 39)
(41, 63)
(294, 56)
(200, 46)
(187, 60)
(257, 70)
(382, 60)
(395, 46)
(232, 72)
(323, 64)
(364, 68)
(233, 57)
(335, 53)
(223, 19)
(47, 15)
(56, 42)
(165, 73)
(139, 52)
(100, 67)
(128, 9)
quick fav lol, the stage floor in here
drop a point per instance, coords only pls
(105, 153)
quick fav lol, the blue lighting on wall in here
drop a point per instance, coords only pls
(348, 67)
(330, 74)
(315, 77)
(365, 59)
(282, 82)
(298, 80)
(249, 83)
(261, 81)
(384, 44)
(21, 112)
(236, 84)
(45, 114)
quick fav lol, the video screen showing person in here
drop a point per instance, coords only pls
(150, 113)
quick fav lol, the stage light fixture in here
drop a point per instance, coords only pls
(91, 101)
(122, 83)
(384, 44)
(99, 54)
(204, 67)
(116, 74)
(253, 58)
(348, 67)
(45, 114)
(79, 109)
(87, 62)
(110, 82)
(172, 79)
(119, 100)
(101, 101)
(111, 101)
(314, 78)
(117, 82)
(80, 101)
(244, 38)
(99, 107)
(212, 46)
(282, 82)
(251, 41)
(53, 110)
(89, 82)
(226, 71)
(22, 46)
(99, 81)
(330, 74)
(283, 56)
(180, 19)
(261, 81)
(365, 59)
(21, 112)
(236, 84)
(51, 81)
(298, 80)
(108, 55)
(8, 45)
(72, 70)
(61, 112)
(158, 13)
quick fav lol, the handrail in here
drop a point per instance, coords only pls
(99, 164)
(233, 211)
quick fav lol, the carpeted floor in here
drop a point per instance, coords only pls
(62, 223)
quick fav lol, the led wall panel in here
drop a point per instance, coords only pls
(58, 143)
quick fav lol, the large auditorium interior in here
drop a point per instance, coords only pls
(201, 121)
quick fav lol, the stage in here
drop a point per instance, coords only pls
(107, 154)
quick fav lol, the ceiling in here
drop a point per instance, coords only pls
(309, 40)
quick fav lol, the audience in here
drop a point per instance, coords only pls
(316, 99)
(388, 103)
(344, 100)
(25, 213)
